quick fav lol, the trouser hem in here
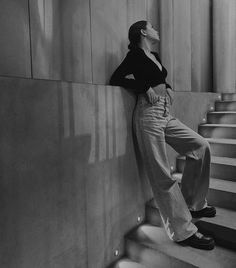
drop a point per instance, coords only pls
(186, 237)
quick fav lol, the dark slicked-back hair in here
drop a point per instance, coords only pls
(135, 33)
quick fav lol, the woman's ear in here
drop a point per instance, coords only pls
(143, 32)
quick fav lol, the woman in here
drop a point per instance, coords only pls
(154, 127)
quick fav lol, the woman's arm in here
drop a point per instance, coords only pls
(127, 66)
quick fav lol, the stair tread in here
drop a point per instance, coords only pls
(224, 217)
(128, 263)
(224, 160)
(217, 184)
(219, 160)
(218, 125)
(224, 141)
(156, 238)
(226, 101)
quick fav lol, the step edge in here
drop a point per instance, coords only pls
(228, 184)
(218, 125)
(215, 159)
(222, 141)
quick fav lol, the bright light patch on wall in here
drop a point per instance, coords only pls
(116, 253)
(45, 9)
(204, 120)
(139, 219)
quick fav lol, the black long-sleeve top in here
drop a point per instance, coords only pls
(146, 73)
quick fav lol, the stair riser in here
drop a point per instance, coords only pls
(217, 132)
(152, 258)
(229, 97)
(153, 216)
(225, 106)
(222, 199)
(223, 150)
(221, 118)
(224, 236)
(218, 171)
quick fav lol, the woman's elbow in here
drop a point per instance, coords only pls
(113, 81)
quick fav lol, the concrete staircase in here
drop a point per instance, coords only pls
(148, 246)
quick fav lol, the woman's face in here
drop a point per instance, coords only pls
(151, 33)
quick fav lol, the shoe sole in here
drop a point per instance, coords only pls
(204, 216)
(207, 215)
(210, 246)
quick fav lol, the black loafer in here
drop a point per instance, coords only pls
(205, 212)
(199, 241)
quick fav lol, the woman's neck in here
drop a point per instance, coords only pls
(145, 45)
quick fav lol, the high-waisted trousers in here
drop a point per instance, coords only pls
(154, 127)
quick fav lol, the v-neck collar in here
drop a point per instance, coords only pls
(151, 59)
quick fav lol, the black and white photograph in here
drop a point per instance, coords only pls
(117, 133)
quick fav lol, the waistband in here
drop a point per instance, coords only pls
(160, 90)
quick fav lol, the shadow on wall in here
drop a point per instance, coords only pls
(97, 151)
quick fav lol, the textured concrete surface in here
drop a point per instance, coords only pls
(61, 40)
(224, 49)
(186, 44)
(15, 40)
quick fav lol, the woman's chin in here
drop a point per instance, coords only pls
(154, 41)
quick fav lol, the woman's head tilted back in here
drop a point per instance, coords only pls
(135, 33)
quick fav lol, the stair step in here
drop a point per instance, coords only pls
(227, 131)
(143, 249)
(221, 167)
(148, 242)
(127, 263)
(223, 147)
(224, 141)
(222, 226)
(225, 105)
(229, 96)
(226, 117)
(221, 193)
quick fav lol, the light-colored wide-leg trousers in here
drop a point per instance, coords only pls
(154, 127)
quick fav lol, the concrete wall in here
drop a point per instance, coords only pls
(73, 40)
(15, 57)
(84, 41)
(224, 45)
(186, 47)
(70, 183)
(198, 44)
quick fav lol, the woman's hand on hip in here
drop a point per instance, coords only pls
(152, 96)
